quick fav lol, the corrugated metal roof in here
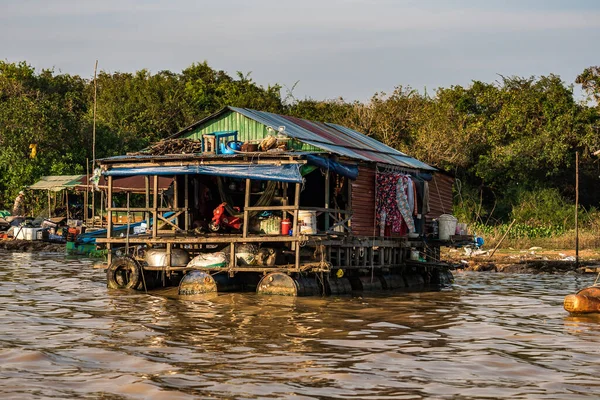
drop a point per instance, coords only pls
(56, 183)
(333, 138)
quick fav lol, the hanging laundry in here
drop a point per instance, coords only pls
(386, 204)
(403, 191)
(426, 207)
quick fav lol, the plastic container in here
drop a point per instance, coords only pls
(447, 226)
(414, 254)
(307, 222)
(286, 224)
(27, 233)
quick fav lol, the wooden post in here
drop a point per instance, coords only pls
(87, 191)
(147, 182)
(128, 225)
(101, 207)
(155, 208)
(232, 259)
(295, 224)
(349, 205)
(109, 194)
(94, 144)
(186, 202)
(246, 213)
(67, 201)
(176, 199)
(327, 195)
(576, 209)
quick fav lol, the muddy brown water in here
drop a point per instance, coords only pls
(492, 335)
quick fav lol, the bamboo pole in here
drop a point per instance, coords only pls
(94, 146)
(87, 191)
(503, 236)
(576, 209)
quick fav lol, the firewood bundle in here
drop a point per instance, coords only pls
(172, 146)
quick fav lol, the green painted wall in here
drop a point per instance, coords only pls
(247, 128)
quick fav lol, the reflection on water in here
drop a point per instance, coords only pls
(65, 335)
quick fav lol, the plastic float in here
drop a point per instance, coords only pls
(587, 300)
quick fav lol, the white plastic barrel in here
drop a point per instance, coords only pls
(307, 222)
(447, 224)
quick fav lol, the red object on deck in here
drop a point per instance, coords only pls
(286, 224)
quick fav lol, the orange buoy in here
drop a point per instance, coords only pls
(585, 301)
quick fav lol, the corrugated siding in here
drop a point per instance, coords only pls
(440, 195)
(363, 202)
(248, 129)
(315, 136)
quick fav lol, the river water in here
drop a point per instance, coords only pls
(492, 335)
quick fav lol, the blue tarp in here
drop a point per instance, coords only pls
(264, 172)
(347, 170)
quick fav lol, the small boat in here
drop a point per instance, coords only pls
(587, 300)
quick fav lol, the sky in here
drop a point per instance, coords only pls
(328, 48)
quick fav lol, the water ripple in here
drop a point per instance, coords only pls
(64, 335)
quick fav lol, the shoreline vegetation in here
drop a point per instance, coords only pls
(510, 144)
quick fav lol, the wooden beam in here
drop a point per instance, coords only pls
(272, 208)
(143, 239)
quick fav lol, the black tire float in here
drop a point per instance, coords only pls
(124, 273)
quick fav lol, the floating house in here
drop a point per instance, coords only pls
(277, 204)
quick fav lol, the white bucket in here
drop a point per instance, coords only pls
(447, 226)
(307, 222)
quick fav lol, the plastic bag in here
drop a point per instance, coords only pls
(209, 260)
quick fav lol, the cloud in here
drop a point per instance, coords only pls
(335, 47)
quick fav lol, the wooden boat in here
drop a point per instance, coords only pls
(587, 300)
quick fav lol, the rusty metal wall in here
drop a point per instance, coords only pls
(440, 195)
(363, 202)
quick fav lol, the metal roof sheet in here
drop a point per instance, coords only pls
(335, 139)
(56, 183)
(330, 137)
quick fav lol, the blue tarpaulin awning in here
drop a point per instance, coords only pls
(347, 170)
(265, 172)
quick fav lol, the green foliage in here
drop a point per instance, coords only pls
(510, 143)
(55, 112)
(542, 207)
(518, 231)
